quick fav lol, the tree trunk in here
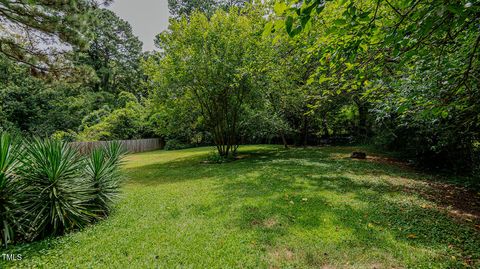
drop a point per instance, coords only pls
(362, 131)
(325, 127)
(285, 144)
(305, 131)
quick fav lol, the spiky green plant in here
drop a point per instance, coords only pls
(10, 190)
(103, 172)
(58, 194)
(115, 153)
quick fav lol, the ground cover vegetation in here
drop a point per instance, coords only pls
(273, 208)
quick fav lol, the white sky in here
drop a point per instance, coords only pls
(147, 17)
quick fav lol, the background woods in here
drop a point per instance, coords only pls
(399, 75)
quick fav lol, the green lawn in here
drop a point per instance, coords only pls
(273, 208)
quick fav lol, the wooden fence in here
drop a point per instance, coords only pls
(131, 146)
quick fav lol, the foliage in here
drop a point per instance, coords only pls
(96, 82)
(185, 8)
(67, 136)
(103, 168)
(174, 144)
(47, 188)
(11, 194)
(410, 67)
(26, 24)
(38, 106)
(114, 54)
(127, 122)
(212, 61)
(179, 8)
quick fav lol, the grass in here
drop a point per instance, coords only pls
(274, 208)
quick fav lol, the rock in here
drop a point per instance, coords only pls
(358, 155)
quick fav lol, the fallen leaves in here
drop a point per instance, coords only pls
(412, 236)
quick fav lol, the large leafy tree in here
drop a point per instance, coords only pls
(214, 62)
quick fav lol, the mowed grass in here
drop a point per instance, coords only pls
(273, 208)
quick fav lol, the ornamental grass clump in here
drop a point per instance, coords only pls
(103, 174)
(11, 195)
(57, 193)
(47, 188)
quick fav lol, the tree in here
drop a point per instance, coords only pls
(30, 26)
(114, 53)
(179, 8)
(127, 121)
(185, 8)
(212, 61)
(415, 64)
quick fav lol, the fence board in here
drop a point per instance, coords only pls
(131, 146)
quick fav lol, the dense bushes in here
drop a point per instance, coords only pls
(173, 144)
(47, 188)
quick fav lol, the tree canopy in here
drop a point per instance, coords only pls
(34, 31)
(400, 75)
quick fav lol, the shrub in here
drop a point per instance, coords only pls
(173, 144)
(58, 195)
(102, 170)
(48, 188)
(213, 157)
(10, 192)
(67, 136)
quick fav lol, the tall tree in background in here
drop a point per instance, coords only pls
(114, 53)
(179, 8)
(32, 32)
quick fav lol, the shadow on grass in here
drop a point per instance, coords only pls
(319, 207)
(301, 191)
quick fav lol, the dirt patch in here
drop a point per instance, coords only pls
(279, 255)
(242, 156)
(377, 159)
(255, 222)
(270, 222)
(267, 223)
(457, 201)
(390, 161)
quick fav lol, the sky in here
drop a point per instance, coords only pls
(147, 17)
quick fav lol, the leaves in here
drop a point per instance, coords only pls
(48, 189)
(279, 8)
(11, 194)
(289, 25)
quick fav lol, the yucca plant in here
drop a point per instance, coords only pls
(115, 153)
(56, 190)
(10, 189)
(103, 173)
